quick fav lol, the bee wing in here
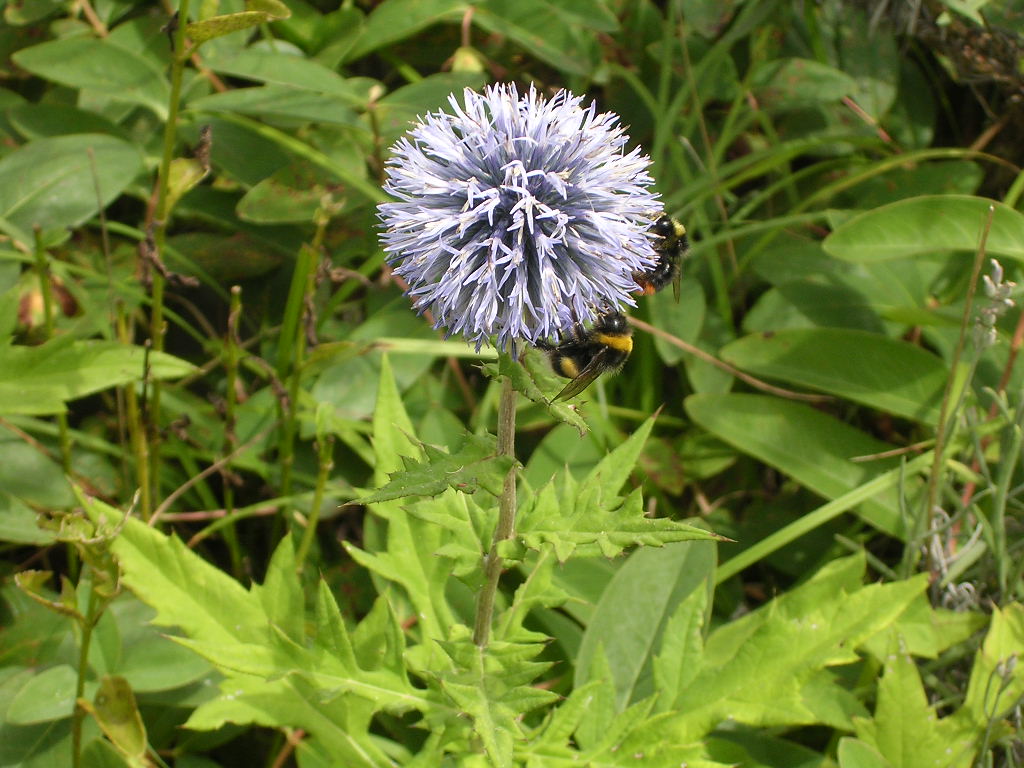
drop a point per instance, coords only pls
(677, 282)
(586, 377)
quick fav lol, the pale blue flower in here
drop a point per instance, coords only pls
(518, 217)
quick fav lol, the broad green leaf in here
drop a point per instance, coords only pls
(888, 374)
(281, 68)
(36, 121)
(281, 104)
(294, 193)
(49, 695)
(682, 319)
(39, 380)
(51, 182)
(18, 522)
(903, 729)
(543, 29)
(159, 664)
(394, 20)
(929, 224)
(30, 476)
(634, 611)
(792, 83)
(115, 72)
(810, 446)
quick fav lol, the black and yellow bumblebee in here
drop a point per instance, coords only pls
(589, 352)
(671, 245)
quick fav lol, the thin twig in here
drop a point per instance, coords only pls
(709, 358)
(215, 467)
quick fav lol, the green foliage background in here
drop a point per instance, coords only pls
(245, 492)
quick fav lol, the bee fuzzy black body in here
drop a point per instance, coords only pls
(602, 348)
(671, 245)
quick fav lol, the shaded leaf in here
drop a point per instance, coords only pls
(50, 182)
(83, 62)
(38, 380)
(812, 447)
(888, 374)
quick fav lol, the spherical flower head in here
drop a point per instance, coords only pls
(517, 217)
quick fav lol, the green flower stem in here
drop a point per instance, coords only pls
(325, 454)
(136, 428)
(87, 623)
(231, 354)
(157, 324)
(43, 271)
(506, 516)
(291, 349)
(956, 387)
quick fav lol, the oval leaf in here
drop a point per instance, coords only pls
(82, 62)
(891, 375)
(51, 182)
(929, 224)
(811, 447)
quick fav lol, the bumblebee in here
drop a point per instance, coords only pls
(603, 348)
(671, 245)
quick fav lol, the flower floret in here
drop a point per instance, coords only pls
(517, 217)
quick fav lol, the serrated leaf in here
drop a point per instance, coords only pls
(406, 556)
(492, 686)
(583, 531)
(904, 726)
(272, 703)
(784, 647)
(470, 525)
(473, 466)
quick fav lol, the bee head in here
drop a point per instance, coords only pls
(611, 322)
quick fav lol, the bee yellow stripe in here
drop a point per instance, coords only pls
(569, 368)
(621, 342)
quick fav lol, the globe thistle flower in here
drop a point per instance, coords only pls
(518, 217)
